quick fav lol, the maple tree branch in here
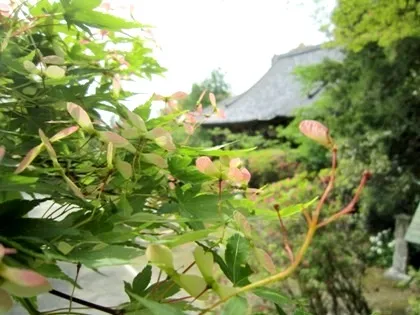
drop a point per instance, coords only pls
(350, 206)
(283, 231)
(104, 309)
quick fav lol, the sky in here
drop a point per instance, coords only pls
(240, 37)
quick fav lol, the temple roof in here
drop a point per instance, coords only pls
(278, 93)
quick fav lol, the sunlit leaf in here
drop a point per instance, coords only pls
(193, 284)
(103, 21)
(156, 308)
(160, 256)
(204, 261)
(236, 305)
(285, 212)
(30, 66)
(85, 4)
(55, 72)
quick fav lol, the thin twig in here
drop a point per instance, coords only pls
(350, 207)
(283, 230)
(198, 296)
(307, 217)
(87, 303)
(179, 299)
(78, 266)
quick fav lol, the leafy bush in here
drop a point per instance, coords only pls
(381, 249)
(269, 165)
(121, 190)
(330, 278)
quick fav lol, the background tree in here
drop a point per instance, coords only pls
(215, 83)
(372, 103)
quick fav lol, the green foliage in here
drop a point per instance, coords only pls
(360, 22)
(117, 191)
(339, 249)
(215, 84)
(370, 104)
(236, 305)
(269, 165)
(414, 301)
(243, 140)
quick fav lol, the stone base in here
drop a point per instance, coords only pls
(394, 274)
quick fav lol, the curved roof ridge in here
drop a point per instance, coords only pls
(298, 51)
(291, 53)
(277, 93)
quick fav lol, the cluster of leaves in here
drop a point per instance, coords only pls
(112, 187)
(360, 22)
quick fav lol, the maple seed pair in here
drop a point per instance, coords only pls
(235, 173)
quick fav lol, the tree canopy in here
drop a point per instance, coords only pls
(372, 101)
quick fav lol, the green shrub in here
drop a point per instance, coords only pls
(269, 165)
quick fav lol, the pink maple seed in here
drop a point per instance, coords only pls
(2, 152)
(235, 175)
(246, 175)
(316, 131)
(29, 157)
(64, 133)
(199, 109)
(235, 162)
(23, 277)
(6, 302)
(206, 166)
(220, 113)
(212, 99)
(203, 163)
(179, 95)
(189, 129)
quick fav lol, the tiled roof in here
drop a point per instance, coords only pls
(278, 93)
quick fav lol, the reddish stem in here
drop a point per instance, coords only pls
(283, 230)
(350, 207)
